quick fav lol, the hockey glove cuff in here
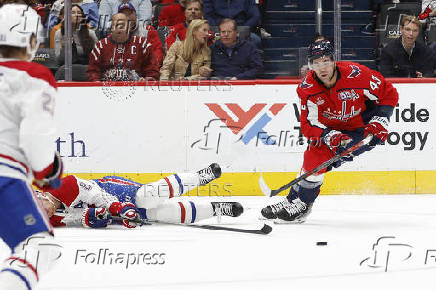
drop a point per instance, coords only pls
(378, 127)
(95, 218)
(50, 178)
(127, 211)
(335, 139)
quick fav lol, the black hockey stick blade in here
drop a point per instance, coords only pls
(266, 229)
(273, 192)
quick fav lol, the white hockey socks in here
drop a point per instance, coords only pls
(31, 259)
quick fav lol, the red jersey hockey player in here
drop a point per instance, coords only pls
(341, 103)
(122, 56)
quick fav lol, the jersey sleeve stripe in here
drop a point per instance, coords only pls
(8, 159)
(170, 187)
(179, 181)
(370, 95)
(182, 212)
(19, 275)
(93, 53)
(194, 212)
(312, 115)
(27, 264)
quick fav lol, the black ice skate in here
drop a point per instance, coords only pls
(270, 211)
(209, 173)
(295, 211)
(233, 209)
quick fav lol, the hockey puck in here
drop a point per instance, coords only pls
(321, 243)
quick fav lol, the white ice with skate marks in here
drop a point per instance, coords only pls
(373, 242)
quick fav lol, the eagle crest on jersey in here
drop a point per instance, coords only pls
(304, 84)
(21, 22)
(355, 72)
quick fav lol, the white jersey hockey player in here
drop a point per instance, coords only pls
(27, 92)
(91, 203)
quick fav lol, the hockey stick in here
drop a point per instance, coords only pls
(273, 192)
(266, 229)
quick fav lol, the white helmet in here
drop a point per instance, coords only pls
(18, 22)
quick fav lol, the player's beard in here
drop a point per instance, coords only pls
(333, 74)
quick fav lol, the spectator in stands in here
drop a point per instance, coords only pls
(121, 56)
(143, 30)
(84, 38)
(194, 10)
(89, 7)
(172, 14)
(108, 8)
(244, 12)
(233, 58)
(190, 58)
(406, 57)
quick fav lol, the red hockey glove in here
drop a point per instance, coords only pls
(127, 211)
(50, 177)
(95, 218)
(377, 127)
(335, 139)
(426, 13)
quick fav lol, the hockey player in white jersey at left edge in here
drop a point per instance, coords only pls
(92, 203)
(27, 131)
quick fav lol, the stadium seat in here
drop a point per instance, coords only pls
(46, 57)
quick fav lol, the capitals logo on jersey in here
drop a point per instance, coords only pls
(305, 85)
(355, 72)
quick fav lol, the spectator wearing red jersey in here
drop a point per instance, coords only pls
(190, 58)
(121, 56)
(143, 30)
(194, 10)
(172, 14)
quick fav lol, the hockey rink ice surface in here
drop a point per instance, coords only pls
(373, 242)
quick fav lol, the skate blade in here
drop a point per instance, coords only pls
(283, 222)
(262, 218)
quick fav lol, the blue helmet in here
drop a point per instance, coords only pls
(319, 49)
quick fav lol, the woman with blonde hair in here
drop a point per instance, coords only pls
(190, 58)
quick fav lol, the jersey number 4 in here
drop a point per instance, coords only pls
(374, 83)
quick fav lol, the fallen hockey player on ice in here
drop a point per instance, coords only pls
(92, 203)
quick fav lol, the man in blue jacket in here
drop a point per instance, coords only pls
(233, 58)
